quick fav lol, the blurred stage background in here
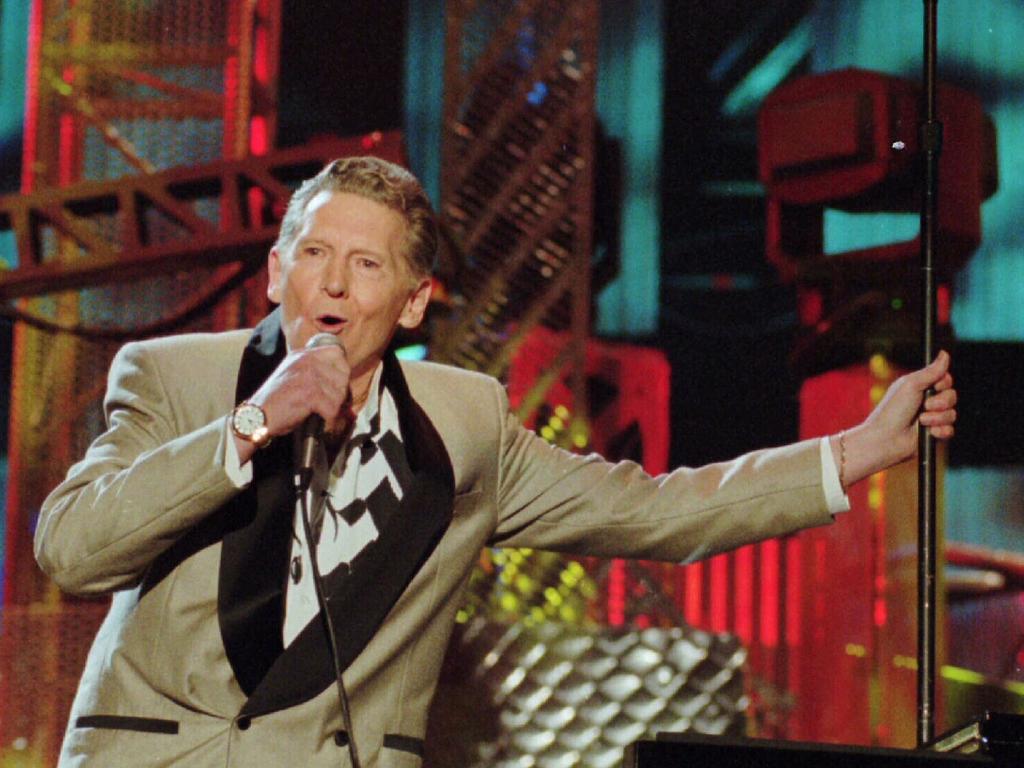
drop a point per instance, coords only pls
(664, 264)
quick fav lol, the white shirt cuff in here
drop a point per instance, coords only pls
(238, 474)
(835, 499)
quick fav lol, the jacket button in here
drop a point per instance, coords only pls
(341, 738)
(244, 723)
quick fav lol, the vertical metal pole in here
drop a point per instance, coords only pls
(931, 144)
(583, 215)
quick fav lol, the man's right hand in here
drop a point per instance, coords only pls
(307, 381)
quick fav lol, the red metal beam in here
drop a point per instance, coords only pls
(129, 252)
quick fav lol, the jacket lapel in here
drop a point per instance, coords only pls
(362, 597)
(254, 554)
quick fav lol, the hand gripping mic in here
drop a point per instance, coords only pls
(313, 426)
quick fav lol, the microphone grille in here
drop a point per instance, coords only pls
(323, 340)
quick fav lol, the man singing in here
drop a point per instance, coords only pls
(215, 651)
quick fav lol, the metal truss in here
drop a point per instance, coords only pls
(517, 180)
(138, 226)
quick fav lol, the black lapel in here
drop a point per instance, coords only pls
(254, 555)
(361, 599)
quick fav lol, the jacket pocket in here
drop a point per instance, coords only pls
(391, 741)
(122, 723)
(401, 752)
(404, 744)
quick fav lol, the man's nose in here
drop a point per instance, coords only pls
(335, 276)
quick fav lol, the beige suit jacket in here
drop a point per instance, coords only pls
(159, 687)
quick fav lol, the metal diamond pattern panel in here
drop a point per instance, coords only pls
(565, 696)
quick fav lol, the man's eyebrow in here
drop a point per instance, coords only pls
(359, 249)
(369, 251)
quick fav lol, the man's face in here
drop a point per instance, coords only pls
(346, 273)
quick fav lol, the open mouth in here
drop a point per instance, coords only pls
(330, 323)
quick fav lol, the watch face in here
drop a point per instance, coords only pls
(248, 419)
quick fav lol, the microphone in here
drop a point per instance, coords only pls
(312, 433)
(313, 426)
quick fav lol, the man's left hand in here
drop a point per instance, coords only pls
(889, 434)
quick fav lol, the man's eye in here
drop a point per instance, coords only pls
(368, 263)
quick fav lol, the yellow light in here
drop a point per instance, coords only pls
(524, 583)
(561, 412)
(547, 433)
(877, 392)
(579, 440)
(856, 649)
(904, 662)
(880, 367)
(875, 497)
(556, 423)
(552, 596)
(509, 602)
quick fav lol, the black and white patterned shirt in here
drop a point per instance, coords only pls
(348, 502)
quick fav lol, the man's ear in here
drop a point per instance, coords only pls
(274, 275)
(416, 305)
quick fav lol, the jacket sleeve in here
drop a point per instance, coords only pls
(140, 486)
(548, 498)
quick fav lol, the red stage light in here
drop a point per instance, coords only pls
(848, 140)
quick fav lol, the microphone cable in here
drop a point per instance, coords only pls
(332, 641)
(312, 430)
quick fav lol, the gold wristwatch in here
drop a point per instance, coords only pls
(249, 422)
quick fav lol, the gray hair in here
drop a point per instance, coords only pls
(380, 181)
